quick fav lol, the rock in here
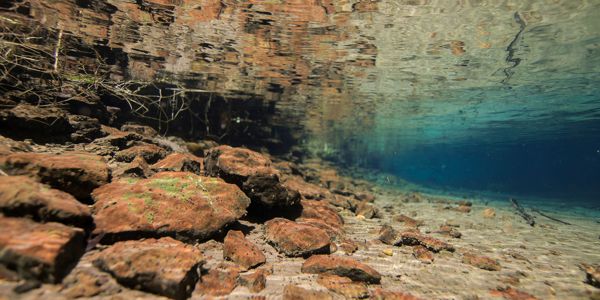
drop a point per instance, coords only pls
(89, 282)
(161, 266)
(180, 204)
(344, 286)
(142, 130)
(341, 266)
(512, 294)
(200, 148)
(422, 254)
(76, 173)
(365, 197)
(44, 252)
(379, 294)
(388, 252)
(9, 146)
(22, 196)
(219, 281)
(35, 122)
(449, 231)
(137, 168)
(367, 210)
(255, 281)
(592, 274)
(85, 129)
(294, 239)
(321, 211)
(343, 202)
(307, 190)
(348, 246)
(253, 173)
(390, 236)
(408, 221)
(180, 162)
(117, 138)
(151, 153)
(293, 292)
(489, 213)
(463, 208)
(241, 251)
(482, 262)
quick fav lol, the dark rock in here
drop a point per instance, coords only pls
(180, 204)
(25, 120)
(241, 251)
(482, 262)
(76, 173)
(137, 168)
(142, 130)
(150, 152)
(85, 129)
(180, 162)
(165, 266)
(293, 292)
(27, 286)
(341, 266)
(253, 173)
(44, 252)
(294, 239)
(22, 196)
(117, 138)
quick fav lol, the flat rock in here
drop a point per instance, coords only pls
(321, 210)
(180, 162)
(307, 190)
(422, 254)
(380, 294)
(294, 292)
(22, 196)
(253, 173)
(482, 262)
(180, 204)
(219, 281)
(412, 237)
(150, 152)
(341, 266)
(295, 239)
(241, 251)
(161, 266)
(44, 252)
(344, 286)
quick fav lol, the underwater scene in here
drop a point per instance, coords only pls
(301, 149)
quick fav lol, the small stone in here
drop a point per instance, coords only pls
(408, 221)
(512, 294)
(388, 252)
(367, 210)
(489, 213)
(295, 239)
(241, 251)
(341, 266)
(422, 254)
(482, 262)
(463, 208)
(293, 292)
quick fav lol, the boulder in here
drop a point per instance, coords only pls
(45, 123)
(253, 173)
(294, 239)
(241, 251)
(294, 292)
(341, 266)
(180, 204)
(180, 162)
(44, 252)
(77, 173)
(150, 152)
(322, 211)
(22, 196)
(161, 266)
(307, 190)
(85, 129)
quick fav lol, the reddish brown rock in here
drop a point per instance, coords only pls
(592, 274)
(512, 294)
(388, 235)
(255, 281)
(150, 152)
(408, 221)
(341, 266)
(253, 173)
(293, 292)
(307, 190)
(322, 211)
(180, 204)
(241, 251)
(117, 138)
(219, 281)
(449, 231)
(343, 202)
(180, 162)
(344, 286)
(22, 196)
(161, 266)
(422, 254)
(294, 239)
(482, 262)
(348, 246)
(37, 251)
(76, 173)
(415, 238)
(367, 210)
(379, 294)
(137, 168)
(143, 130)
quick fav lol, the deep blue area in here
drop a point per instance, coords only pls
(565, 167)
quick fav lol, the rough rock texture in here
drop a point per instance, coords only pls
(219, 281)
(592, 274)
(85, 129)
(294, 239)
(341, 266)
(390, 236)
(45, 123)
(180, 162)
(37, 251)
(307, 190)
(143, 130)
(512, 294)
(321, 211)
(482, 262)
(164, 266)
(408, 221)
(253, 173)
(379, 294)
(344, 286)
(23, 196)
(255, 281)
(76, 173)
(150, 152)
(241, 251)
(422, 254)
(293, 292)
(367, 210)
(137, 168)
(179, 204)
(449, 231)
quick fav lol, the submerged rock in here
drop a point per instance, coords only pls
(253, 173)
(422, 254)
(219, 281)
(489, 213)
(379, 294)
(293, 292)
(367, 210)
(344, 286)
(482, 262)
(180, 204)
(341, 266)
(22, 196)
(592, 274)
(165, 266)
(180, 162)
(294, 239)
(44, 252)
(255, 281)
(150, 152)
(390, 236)
(77, 173)
(241, 251)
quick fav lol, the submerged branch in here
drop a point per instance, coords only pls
(549, 217)
(521, 212)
